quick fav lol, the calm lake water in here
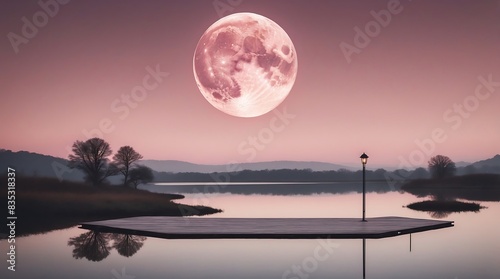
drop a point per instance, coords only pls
(471, 249)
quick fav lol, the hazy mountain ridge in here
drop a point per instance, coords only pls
(34, 164)
(462, 164)
(495, 161)
(181, 166)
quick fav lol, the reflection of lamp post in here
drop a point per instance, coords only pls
(364, 159)
(364, 258)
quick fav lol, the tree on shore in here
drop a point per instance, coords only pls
(91, 157)
(124, 160)
(141, 174)
(441, 166)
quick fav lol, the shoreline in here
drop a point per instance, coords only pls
(46, 204)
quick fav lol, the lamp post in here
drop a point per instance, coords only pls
(364, 159)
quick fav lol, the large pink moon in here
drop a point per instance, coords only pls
(245, 64)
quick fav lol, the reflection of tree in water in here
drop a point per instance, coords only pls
(453, 194)
(127, 245)
(440, 214)
(92, 245)
(440, 197)
(443, 208)
(95, 246)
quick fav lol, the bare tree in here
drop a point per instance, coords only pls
(124, 159)
(441, 166)
(91, 157)
(141, 174)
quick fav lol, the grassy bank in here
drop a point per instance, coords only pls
(44, 204)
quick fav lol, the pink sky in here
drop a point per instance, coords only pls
(408, 81)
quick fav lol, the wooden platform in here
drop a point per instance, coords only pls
(299, 228)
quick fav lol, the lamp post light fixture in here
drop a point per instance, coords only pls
(364, 160)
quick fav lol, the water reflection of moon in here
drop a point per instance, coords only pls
(245, 64)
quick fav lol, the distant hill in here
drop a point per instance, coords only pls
(180, 166)
(34, 164)
(491, 165)
(462, 164)
(492, 162)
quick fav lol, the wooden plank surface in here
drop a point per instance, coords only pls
(193, 227)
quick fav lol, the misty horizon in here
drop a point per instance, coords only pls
(16, 157)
